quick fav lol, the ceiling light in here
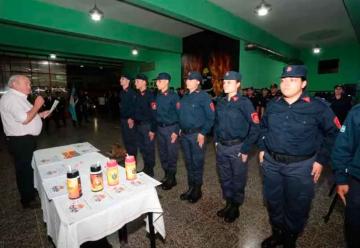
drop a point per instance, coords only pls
(134, 52)
(263, 8)
(96, 14)
(316, 50)
(52, 56)
(82, 66)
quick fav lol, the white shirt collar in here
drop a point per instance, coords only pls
(17, 92)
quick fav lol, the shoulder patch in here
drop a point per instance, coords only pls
(153, 106)
(212, 107)
(337, 122)
(255, 118)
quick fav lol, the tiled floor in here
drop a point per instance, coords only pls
(187, 225)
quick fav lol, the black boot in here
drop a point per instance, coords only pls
(275, 239)
(233, 213)
(195, 194)
(290, 240)
(169, 183)
(165, 177)
(222, 212)
(186, 195)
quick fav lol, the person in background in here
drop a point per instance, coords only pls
(22, 124)
(263, 100)
(274, 92)
(196, 117)
(127, 111)
(340, 103)
(167, 130)
(236, 129)
(145, 123)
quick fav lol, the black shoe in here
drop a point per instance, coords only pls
(274, 240)
(186, 195)
(290, 240)
(222, 212)
(195, 194)
(169, 183)
(233, 213)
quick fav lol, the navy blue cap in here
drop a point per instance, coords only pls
(294, 71)
(163, 75)
(194, 75)
(125, 76)
(142, 77)
(232, 75)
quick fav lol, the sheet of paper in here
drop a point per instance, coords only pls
(56, 102)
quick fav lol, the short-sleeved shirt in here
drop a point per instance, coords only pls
(13, 108)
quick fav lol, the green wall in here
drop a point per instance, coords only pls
(163, 62)
(349, 66)
(258, 70)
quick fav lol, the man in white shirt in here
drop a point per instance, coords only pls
(22, 123)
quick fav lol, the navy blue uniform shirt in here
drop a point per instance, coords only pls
(237, 119)
(166, 111)
(196, 111)
(144, 106)
(127, 103)
(306, 127)
(346, 152)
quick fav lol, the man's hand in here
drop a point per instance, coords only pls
(316, 171)
(342, 190)
(130, 123)
(44, 114)
(173, 137)
(201, 140)
(261, 156)
(151, 135)
(39, 101)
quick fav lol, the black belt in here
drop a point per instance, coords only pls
(190, 130)
(288, 159)
(139, 123)
(165, 124)
(230, 142)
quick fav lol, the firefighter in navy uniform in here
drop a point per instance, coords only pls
(167, 122)
(346, 166)
(145, 123)
(340, 103)
(296, 135)
(196, 117)
(127, 108)
(236, 129)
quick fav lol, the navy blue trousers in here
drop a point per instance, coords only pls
(194, 158)
(129, 137)
(232, 172)
(168, 151)
(352, 214)
(146, 146)
(288, 191)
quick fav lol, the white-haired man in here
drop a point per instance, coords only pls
(22, 123)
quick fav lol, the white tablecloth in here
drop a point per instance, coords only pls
(95, 215)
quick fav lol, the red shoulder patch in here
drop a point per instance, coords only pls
(255, 118)
(306, 99)
(178, 105)
(153, 106)
(337, 122)
(212, 107)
